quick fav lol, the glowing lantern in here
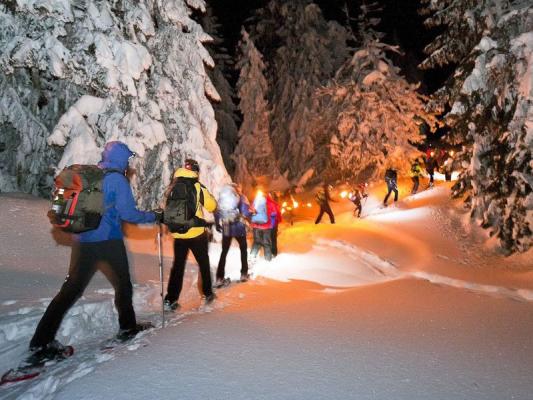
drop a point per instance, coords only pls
(344, 194)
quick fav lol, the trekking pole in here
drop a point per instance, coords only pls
(160, 251)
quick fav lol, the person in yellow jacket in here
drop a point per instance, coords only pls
(191, 236)
(416, 173)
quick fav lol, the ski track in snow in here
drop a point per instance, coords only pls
(88, 326)
(388, 269)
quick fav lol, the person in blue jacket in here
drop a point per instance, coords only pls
(102, 248)
(233, 227)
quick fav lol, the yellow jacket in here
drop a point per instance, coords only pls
(210, 204)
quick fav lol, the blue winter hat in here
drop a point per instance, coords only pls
(116, 155)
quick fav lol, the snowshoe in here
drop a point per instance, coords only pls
(209, 299)
(36, 362)
(220, 283)
(127, 334)
(171, 305)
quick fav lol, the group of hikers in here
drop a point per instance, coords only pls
(103, 248)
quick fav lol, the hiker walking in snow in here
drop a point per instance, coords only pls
(289, 203)
(275, 220)
(391, 178)
(101, 248)
(233, 208)
(416, 173)
(431, 166)
(323, 198)
(185, 220)
(262, 212)
(356, 196)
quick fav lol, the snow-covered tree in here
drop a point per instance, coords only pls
(369, 112)
(74, 75)
(306, 50)
(491, 115)
(254, 156)
(226, 108)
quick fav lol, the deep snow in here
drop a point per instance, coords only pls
(409, 302)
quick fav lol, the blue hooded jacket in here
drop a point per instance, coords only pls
(118, 199)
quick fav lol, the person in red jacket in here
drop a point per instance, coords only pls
(275, 220)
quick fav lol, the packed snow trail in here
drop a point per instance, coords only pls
(354, 260)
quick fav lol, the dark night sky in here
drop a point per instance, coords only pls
(399, 21)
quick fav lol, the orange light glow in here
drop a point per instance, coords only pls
(344, 194)
(295, 204)
(452, 153)
(309, 205)
(259, 194)
(284, 204)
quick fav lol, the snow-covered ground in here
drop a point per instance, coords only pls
(410, 302)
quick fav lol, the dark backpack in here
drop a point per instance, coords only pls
(391, 175)
(78, 199)
(181, 207)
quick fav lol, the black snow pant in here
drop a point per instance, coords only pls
(431, 178)
(358, 208)
(109, 257)
(198, 245)
(243, 246)
(416, 182)
(275, 240)
(325, 208)
(262, 238)
(392, 188)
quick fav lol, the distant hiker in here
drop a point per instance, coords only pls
(288, 204)
(262, 211)
(391, 178)
(185, 220)
(101, 248)
(431, 166)
(233, 208)
(275, 220)
(323, 198)
(416, 173)
(356, 196)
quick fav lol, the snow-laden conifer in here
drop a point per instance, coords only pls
(368, 115)
(77, 74)
(226, 108)
(491, 115)
(255, 161)
(307, 50)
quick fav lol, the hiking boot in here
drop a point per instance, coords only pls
(209, 299)
(245, 277)
(220, 283)
(52, 351)
(127, 334)
(171, 305)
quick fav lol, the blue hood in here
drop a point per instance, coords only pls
(115, 156)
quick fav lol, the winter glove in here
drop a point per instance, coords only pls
(158, 215)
